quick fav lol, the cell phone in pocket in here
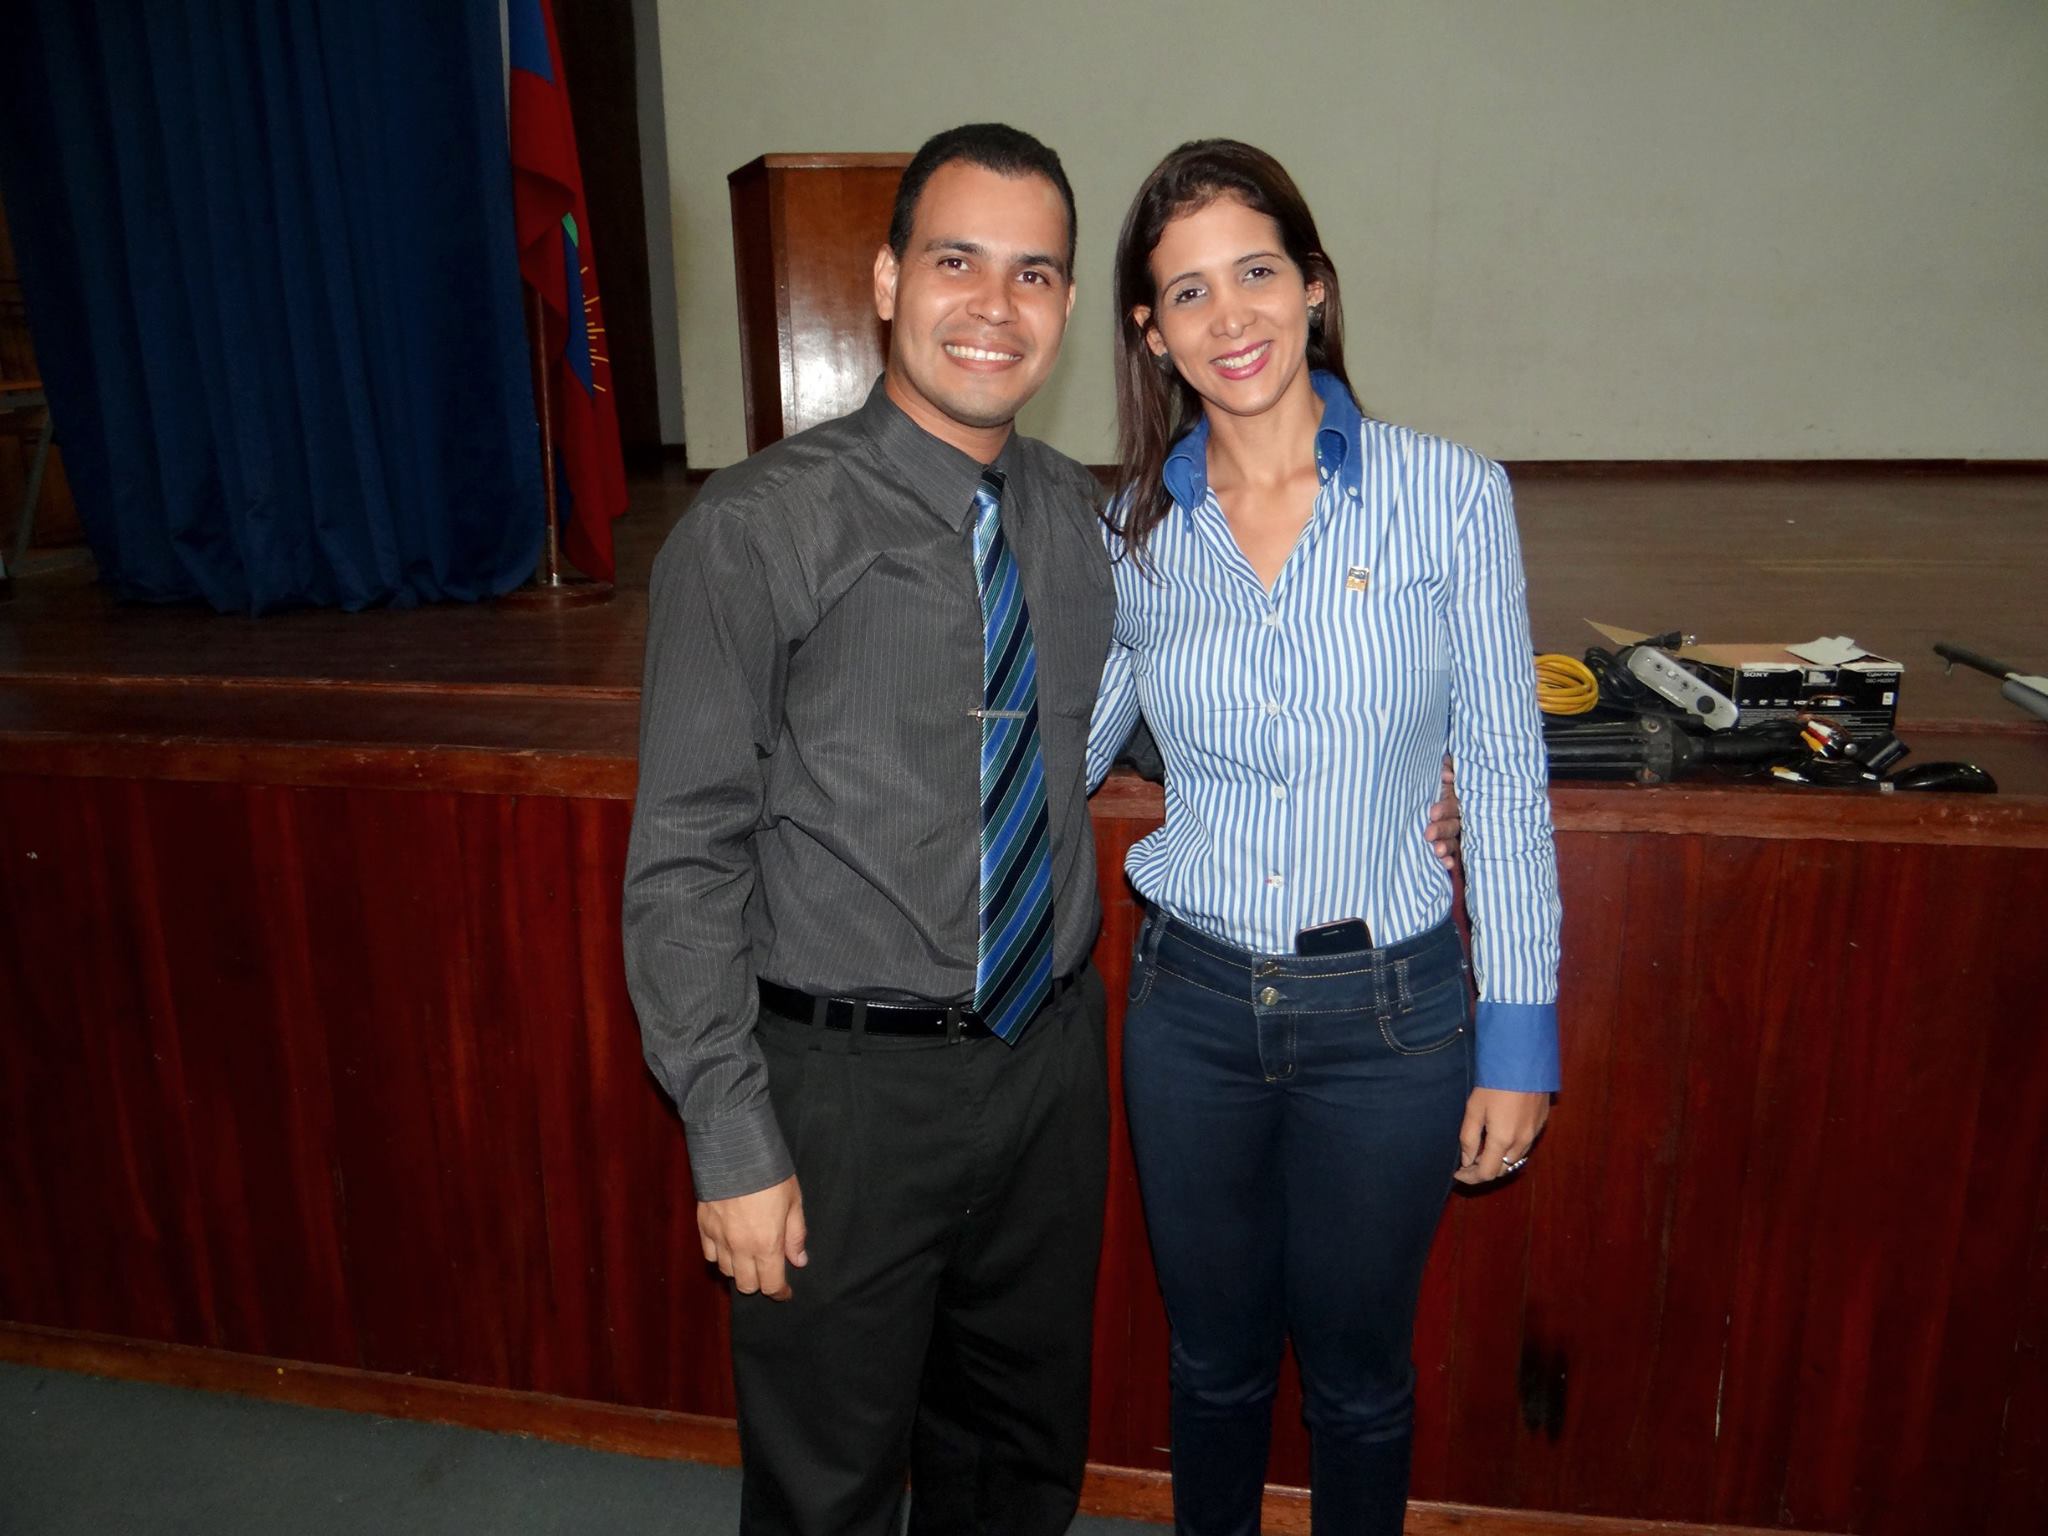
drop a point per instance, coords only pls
(1339, 938)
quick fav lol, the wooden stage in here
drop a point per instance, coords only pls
(1897, 560)
(318, 1075)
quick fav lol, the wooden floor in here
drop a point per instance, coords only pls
(1895, 559)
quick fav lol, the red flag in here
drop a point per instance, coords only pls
(556, 262)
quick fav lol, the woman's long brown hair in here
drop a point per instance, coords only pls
(1154, 404)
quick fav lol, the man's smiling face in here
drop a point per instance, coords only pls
(977, 304)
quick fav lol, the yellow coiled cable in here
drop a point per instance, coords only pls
(1565, 685)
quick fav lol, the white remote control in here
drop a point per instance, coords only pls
(1670, 680)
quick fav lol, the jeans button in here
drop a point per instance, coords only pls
(1269, 996)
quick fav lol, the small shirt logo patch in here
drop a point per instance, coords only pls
(1355, 578)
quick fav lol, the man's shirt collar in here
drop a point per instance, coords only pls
(939, 475)
(1187, 467)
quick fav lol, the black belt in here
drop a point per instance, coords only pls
(939, 1019)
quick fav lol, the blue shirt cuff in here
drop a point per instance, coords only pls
(1518, 1047)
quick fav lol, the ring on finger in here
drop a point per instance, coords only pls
(1511, 1167)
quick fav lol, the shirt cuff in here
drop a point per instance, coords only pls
(1518, 1047)
(738, 1154)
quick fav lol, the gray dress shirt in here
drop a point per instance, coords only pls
(810, 766)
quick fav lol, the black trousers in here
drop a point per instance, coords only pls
(940, 1332)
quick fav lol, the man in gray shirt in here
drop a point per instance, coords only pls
(860, 894)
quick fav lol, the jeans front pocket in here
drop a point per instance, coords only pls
(1430, 1020)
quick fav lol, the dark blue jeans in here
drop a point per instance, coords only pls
(1295, 1123)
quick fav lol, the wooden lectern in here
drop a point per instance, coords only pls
(805, 229)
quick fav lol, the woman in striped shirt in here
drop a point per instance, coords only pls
(1313, 608)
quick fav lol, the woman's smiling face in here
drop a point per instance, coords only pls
(1232, 309)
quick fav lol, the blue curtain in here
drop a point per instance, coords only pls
(268, 255)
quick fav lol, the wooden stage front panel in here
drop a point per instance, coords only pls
(349, 1076)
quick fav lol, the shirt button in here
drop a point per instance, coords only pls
(1269, 996)
(1279, 791)
(1272, 706)
(1272, 621)
(1274, 882)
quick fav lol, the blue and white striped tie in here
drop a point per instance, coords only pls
(1013, 973)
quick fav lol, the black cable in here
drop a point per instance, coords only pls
(1619, 687)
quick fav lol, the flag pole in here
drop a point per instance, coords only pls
(549, 586)
(552, 576)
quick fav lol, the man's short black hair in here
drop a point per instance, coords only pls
(993, 147)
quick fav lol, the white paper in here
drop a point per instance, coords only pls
(1828, 651)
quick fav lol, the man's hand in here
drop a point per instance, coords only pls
(751, 1237)
(1446, 826)
(1500, 1127)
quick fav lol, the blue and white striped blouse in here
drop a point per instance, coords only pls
(1303, 730)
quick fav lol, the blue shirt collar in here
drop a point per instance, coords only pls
(1187, 466)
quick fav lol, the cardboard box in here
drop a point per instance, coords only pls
(1831, 677)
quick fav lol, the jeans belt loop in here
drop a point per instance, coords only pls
(858, 1029)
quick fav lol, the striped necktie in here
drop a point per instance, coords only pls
(1013, 972)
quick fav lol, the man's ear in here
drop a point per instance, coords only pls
(1141, 317)
(1071, 285)
(887, 270)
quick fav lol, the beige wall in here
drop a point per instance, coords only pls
(1567, 229)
